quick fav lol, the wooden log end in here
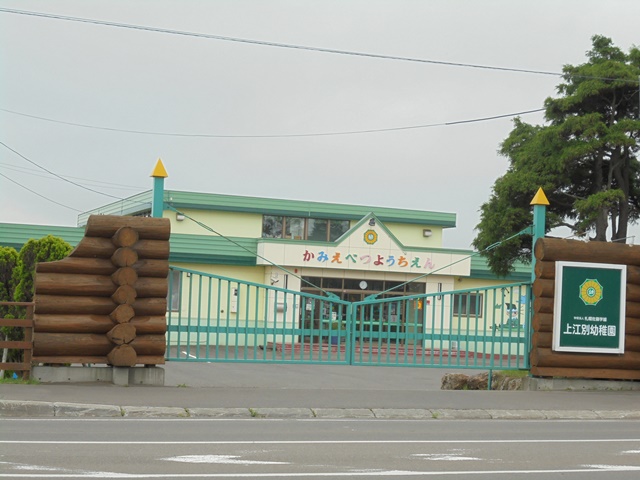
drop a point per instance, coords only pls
(125, 237)
(124, 295)
(122, 356)
(122, 313)
(122, 333)
(124, 257)
(124, 276)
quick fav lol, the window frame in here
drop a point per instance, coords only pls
(174, 293)
(462, 308)
(285, 227)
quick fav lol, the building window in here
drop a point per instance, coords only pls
(317, 229)
(299, 228)
(272, 226)
(173, 297)
(337, 229)
(467, 304)
(294, 228)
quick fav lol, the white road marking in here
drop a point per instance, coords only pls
(310, 442)
(447, 457)
(613, 468)
(68, 473)
(219, 459)
(381, 473)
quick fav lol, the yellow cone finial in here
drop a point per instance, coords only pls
(540, 198)
(159, 170)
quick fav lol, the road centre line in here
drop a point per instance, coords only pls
(310, 442)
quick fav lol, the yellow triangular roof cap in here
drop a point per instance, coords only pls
(540, 198)
(159, 171)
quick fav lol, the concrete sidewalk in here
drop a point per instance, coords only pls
(228, 390)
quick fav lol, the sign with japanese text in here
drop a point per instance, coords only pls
(589, 308)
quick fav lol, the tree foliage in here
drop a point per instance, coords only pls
(46, 249)
(17, 272)
(585, 158)
(8, 262)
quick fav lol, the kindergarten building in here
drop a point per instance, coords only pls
(352, 251)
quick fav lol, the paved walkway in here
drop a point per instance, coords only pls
(226, 390)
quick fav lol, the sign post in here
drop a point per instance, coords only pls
(589, 309)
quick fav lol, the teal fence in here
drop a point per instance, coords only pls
(214, 318)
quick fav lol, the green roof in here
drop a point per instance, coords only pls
(207, 249)
(134, 205)
(211, 249)
(480, 269)
(17, 234)
(272, 206)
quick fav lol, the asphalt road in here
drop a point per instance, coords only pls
(315, 449)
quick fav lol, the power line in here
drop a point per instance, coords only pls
(40, 195)
(55, 174)
(28, 171)
(297, 47)
(286, 135)
(61, 178)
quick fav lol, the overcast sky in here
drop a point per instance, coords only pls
(146, 81)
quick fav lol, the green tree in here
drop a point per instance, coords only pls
(17, 272)
(585, 158)
(8, 262)
(46, 249)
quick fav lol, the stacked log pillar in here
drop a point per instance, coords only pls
(106, 302)
(545, 362)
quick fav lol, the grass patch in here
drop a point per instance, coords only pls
(255, 414)
(513, 373)
(19, 381)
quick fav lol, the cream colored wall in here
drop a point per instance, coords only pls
(206, 303)
(249, 274)
(231, 224)
(412, 236)
(494, 303)
(238, 224)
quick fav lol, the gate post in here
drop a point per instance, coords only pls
(157, 203)
(351, 334)
(539, 203)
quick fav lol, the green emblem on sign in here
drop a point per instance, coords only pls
(591, 291)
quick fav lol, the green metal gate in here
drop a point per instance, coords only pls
(214, 318)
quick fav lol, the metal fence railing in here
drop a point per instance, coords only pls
(216, 318)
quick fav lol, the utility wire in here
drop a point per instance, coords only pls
(285, 135)
(55, 174)
(29, 171)
(524, 231)
(297, 47)
(40, 195)
(63, 178)
(210, 229)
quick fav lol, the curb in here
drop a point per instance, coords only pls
(31, 409)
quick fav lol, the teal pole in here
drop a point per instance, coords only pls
(539, 203)
(157, 202)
